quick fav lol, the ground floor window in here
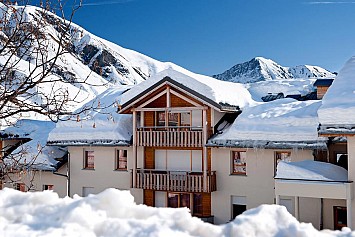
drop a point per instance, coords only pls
(48, 187)
(238, 209)
(193, 201)
(21, 187)
(340, 219)
(239, 205)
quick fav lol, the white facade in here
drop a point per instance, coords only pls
(257, 186)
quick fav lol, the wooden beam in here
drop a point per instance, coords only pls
(152, 99)
(176, 109)
(184, 98)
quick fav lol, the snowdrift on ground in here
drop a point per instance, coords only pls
(114, 213)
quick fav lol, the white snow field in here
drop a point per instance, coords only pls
(114, 213)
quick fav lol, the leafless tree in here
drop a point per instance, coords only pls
(29, 55)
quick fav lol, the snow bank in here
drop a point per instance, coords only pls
(101, 125)
(114, 213)
(311, 170)
(216, 90)
(338, 107)
(283, 120)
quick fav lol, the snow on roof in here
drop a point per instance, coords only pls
(114, 213)
(338, 107)
(286, 86)
(35, 153)
(311, 170)
(283, 123)
(101, 126)
(220, 92)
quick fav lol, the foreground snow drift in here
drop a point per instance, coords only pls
(114, 213)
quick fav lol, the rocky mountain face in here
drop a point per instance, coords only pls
(262, 69)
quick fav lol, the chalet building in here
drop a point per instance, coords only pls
(192, 141)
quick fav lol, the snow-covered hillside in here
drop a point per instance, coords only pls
(88, 58)
(262, 69)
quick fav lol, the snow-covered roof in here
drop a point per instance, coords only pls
(34, 154)
(337, 113)
(99, 126)
(206, 88)
(283, 123)
(311, 170)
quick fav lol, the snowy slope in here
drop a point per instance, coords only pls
(262, 69)
(114, 213)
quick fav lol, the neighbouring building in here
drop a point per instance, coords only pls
(27, 164)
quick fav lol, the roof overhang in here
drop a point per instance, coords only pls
(336, 130)
(310, 145)
(90, 143)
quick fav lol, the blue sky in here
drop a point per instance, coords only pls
(210, 36)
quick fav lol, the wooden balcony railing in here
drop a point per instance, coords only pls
(174, 181)
(167, 137)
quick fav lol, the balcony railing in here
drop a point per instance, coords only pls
(174, 181)
(168, 137)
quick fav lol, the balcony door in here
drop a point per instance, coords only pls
(178, 160)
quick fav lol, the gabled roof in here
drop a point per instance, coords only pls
(218, 94)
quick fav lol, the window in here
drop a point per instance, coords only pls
(89, 159)
(121, 160)
(21, 187)
(173, 119)
(182, 119)
(87, 191)
(281, 156)
(160, 118)
(239, 165)
(48, 187)
(239, 205)
(340, 219)
(185, 120)
(179, 200)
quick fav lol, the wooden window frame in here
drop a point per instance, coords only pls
(121, 159)
(238, 163)
(337, 225)
(87, 164)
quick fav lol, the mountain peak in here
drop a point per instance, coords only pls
(263, 69)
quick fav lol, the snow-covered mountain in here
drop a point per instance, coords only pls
(262, 69)
(98, 62)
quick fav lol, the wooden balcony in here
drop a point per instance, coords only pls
(174, 181)
(170, 137)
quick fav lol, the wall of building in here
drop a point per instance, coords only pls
(37, 179)
(104, 175)
(256, 187)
